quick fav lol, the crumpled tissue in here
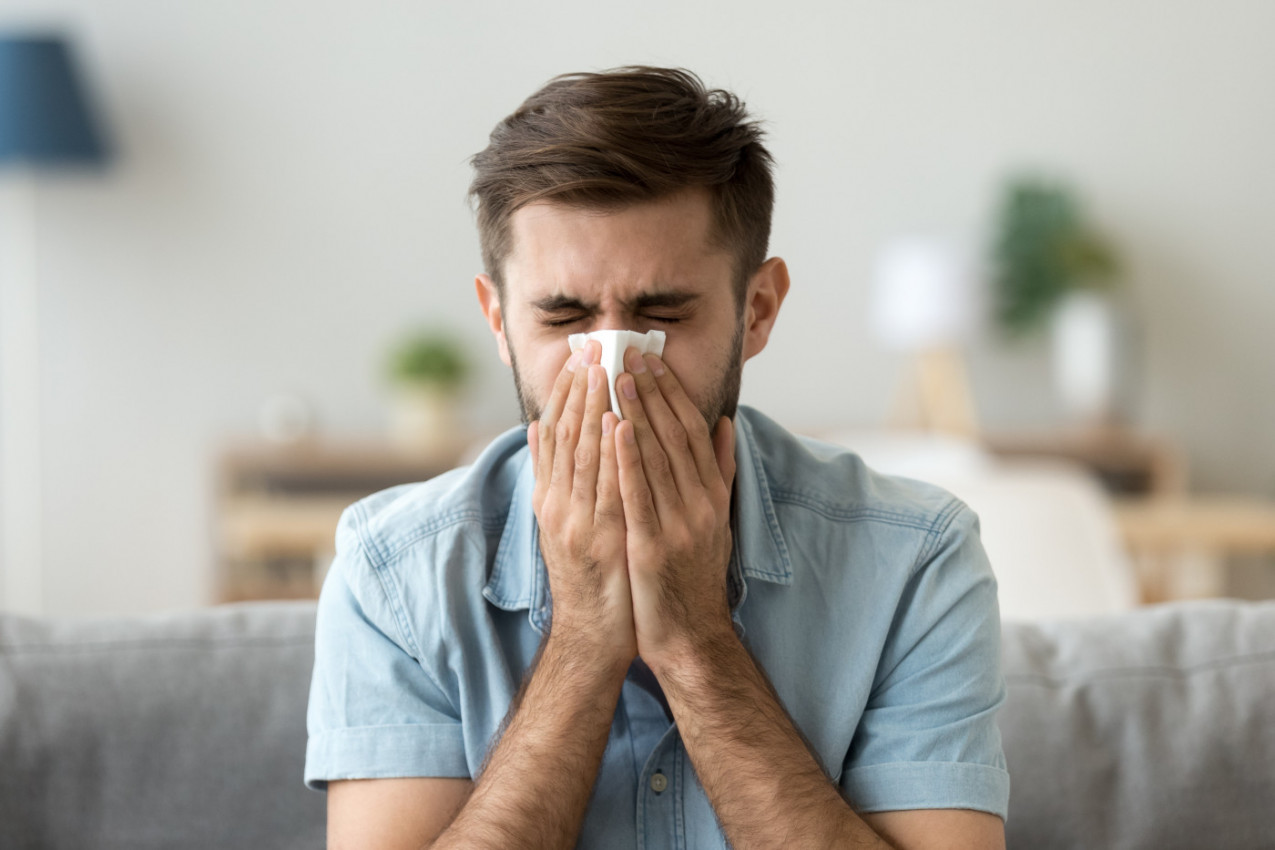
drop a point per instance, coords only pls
(614, 344)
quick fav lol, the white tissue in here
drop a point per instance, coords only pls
(614, 344)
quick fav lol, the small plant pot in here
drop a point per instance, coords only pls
(425, 419)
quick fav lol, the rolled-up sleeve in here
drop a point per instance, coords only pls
(928, 737)
(375, 709)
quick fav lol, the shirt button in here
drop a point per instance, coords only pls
(659, 782)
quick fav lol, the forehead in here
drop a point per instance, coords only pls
(663, 244)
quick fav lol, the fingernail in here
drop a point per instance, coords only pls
(573, 362)
(657, 366)
(628, 436)
(607, 425)
(629, 387)
(594, 379)
(636, 364)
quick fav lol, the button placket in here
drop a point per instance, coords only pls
(657, 799)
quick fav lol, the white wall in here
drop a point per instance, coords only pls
(291, 192)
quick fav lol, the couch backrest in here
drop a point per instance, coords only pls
(172, 731)
(1154, 728)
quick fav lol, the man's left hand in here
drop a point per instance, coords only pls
(675, 483)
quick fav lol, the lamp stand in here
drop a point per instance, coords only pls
(21, 575)
(936, 395)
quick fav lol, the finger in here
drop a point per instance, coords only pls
(566, 433)
(584, 488)
(635, 494)
(609, 509)
(639, 400)
(549, 420)
(724, 449)
(698, 436)
(533, 441)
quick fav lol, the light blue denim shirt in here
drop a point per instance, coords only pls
(867, 599)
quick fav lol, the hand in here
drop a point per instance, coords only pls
(577, 505)
(675, 483)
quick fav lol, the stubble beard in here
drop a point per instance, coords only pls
(723, 400)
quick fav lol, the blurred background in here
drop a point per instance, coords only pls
(1031, 251)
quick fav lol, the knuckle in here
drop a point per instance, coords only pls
(675, 434)
(679, 540)
(658, 462)
(564, 432)
(573, 538)
(584, 455)
(549, 513)
(699, 428)
(609, 508)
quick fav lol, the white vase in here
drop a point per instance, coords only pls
(1087, 357)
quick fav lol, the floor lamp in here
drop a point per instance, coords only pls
(45, 122)
(925, 303)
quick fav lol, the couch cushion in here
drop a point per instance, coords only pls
(1150, 729)
(175, 730)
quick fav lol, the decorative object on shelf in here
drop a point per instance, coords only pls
(286, 418)
(428, 370)
(1052, 271)
(45, 122)
(925, 303)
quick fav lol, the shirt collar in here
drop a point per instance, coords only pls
(519, 580)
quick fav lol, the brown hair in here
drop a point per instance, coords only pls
(624, 136)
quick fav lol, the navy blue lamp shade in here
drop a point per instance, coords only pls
(44, 111)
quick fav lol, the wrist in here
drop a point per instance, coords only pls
(580, 655)
(694, 655)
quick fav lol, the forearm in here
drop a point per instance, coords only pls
(765, 785)
(556, 733)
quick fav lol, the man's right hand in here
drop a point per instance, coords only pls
(577, 505)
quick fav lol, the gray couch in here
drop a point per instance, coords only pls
(1152, 729)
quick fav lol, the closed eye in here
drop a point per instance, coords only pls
(561, 323)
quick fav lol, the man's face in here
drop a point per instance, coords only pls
(644, 267)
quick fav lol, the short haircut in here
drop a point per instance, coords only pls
(632, 134)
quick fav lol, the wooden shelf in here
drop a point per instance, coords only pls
(1222, 524)
(277, 506)
(1127, 462)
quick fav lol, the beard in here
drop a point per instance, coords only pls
(723, 397)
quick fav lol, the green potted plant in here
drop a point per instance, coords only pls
(1052, 271)
(427, 370)
(1043, 252)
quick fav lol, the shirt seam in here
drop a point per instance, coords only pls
(432, 527)
(803, 499)
(393, 598)
(938, 529)
(388, 590)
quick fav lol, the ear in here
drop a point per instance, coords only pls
(765, 294)
(489, 300)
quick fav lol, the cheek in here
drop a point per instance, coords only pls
(693, 372)
(548, 361)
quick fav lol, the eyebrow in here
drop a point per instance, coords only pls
(647, 300)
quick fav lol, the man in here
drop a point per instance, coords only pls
(676, 627)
